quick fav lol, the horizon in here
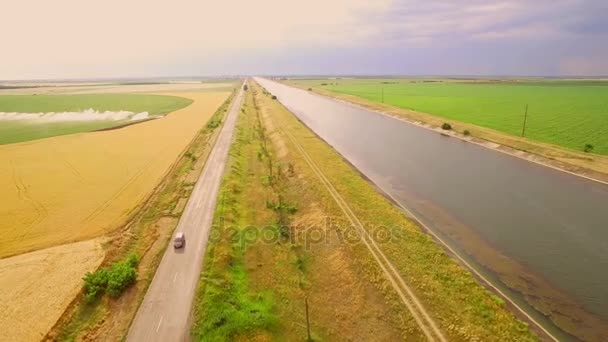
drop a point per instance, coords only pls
(310, 76)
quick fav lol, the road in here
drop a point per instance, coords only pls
(164, 314)
(548, 227)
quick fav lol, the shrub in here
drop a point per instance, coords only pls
(446, 126)
(94, 284)
(132, 260)
(120, 276)
(190, 156)
(274, 97)
(245, 87)
(309, 89)
(588, 148)
(114, 280)
(214, 123)
(466, 132)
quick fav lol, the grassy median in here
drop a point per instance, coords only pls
(261, 265)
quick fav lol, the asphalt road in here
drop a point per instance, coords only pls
(164, 314)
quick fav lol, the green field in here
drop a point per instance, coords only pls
(569, 113)
(24, 130)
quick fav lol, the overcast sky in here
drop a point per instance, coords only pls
(136, 38)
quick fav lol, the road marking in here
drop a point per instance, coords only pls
(159, 323)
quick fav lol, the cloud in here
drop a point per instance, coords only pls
(595, 63)
(527, 32)
(414, 21)
(72, 38)
(590, 19)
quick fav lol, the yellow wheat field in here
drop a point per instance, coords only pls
(37, 287)
(74, 187)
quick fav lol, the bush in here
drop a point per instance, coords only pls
(309, 89)
(245, 87)
(94, 284)
(121, 276)
(466, 132)
(214, 123)
(132, 260)
(588, 148)
(274, 97)
(190, 156)
(446, 126)
(114, 280)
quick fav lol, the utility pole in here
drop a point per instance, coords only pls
(523, 129)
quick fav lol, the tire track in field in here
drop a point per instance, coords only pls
(407, 296)
(73, 169)
(22, 193)
(105, 204)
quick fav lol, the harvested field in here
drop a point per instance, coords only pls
(75, 187)
(35, 288)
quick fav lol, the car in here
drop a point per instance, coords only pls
(180, 240)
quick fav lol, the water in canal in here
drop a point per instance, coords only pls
(541, 231)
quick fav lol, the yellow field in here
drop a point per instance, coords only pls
(74, 187)
(35, 288)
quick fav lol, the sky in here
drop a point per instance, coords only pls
(64, 39)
